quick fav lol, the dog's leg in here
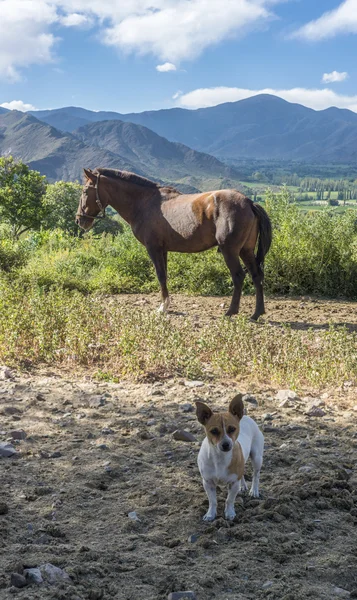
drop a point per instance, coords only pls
(229, 512)
(257, 462)
(243, 485)
(210, 489)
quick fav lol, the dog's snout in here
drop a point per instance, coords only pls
(226, 446)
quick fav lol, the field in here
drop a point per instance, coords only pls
(96, 451)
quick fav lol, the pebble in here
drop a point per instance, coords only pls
(307, 468)
(192, 538)
(53, 574)
(286, 395)
(316, 411)
(182, 435)
(267, 417)
(4, 509)
(12, 410)
(133, 516)
(97, 402)
(267, 585)
(19, 434)
(250, 399)
(187, 407)
(7, 450)
(107, 431)
(341, 593)
(188, 595)
(151, 422)
(194, 384)
(18, 581)
(5, 373)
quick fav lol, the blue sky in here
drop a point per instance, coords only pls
(105, 54)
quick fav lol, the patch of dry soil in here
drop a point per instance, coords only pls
(95, 452)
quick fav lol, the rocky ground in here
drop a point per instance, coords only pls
(100, 488)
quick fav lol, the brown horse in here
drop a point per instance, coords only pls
(164, 220)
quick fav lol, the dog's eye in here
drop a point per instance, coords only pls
(231, 429)
(215, 431)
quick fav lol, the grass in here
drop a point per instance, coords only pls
(66, 328)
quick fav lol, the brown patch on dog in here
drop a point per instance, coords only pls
(237, 463)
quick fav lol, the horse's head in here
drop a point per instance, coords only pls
(90, 206)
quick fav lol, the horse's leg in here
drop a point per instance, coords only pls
(248, 257)
(237, 273)
(159, 258)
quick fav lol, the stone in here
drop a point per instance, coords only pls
(181, 435)
(7, 450)
(107, 431)
(316, 411)
(18, 434)
(187, 407)
(5, 373)
(11, 410)
(33, 576)
(192, 538)
(340, 592)
(194, 384)
(133, 516)
(52, 574)
(188, 595)
(18, 581)
(56, 454)
(250, 399)
(4, 509)
(267, 417)
(97, 402)
(286, 395)
(267, 585)
(307, 468)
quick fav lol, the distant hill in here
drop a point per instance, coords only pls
(115, 144)
(153, 153)
(261, 127)
(3, 110)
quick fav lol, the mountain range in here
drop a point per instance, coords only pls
(126, 146)
(261, 127)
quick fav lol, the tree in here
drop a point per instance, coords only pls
(21, 196)
(62, 200)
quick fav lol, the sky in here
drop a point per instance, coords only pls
(136, 55)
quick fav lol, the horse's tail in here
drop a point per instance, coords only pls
(265, 233)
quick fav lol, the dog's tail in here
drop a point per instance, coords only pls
(265, 233)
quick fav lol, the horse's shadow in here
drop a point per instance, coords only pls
(302, 326)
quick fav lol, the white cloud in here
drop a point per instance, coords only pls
(166, 67)
(177, 94)
(334, 77)
(18, 105)
(317, 99)
(171, 30)
(339, 21)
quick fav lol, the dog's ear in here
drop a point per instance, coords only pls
(203, 412)
(236, 406)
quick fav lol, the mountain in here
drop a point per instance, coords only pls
(54, 154)
(112, 144)
(153, 153)
(3, 110)
(261, 127)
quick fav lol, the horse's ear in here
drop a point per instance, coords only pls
(236, 406)
(90, 175)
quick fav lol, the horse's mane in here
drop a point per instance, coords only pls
(133, 178)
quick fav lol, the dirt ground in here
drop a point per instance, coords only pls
(95, 452)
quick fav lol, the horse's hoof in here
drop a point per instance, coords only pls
(230, 313)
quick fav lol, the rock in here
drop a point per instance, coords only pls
(56, 454)
(267, 585)
(133, 516)
(181, 435)
(53, 574)
(286, 395)
(250, 399)
(4, 509)
(107, 431)
(267, 417)
(18, 581)
(188, 595)
(194, 384)
(341, 593)
(7, 450)
(33, 576)
(11, 410)
(18, 434)
(315, 411)
(187, 407)
(97, 402)
(307, 468)
(5, 373)
(151, 422)
(192, 538)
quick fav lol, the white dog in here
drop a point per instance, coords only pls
(231, 439)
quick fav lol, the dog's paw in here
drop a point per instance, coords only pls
(230, 513)
(254, 493)
(209, 516)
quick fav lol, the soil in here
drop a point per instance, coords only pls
(95, 452)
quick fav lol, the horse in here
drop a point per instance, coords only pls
(165, 220)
